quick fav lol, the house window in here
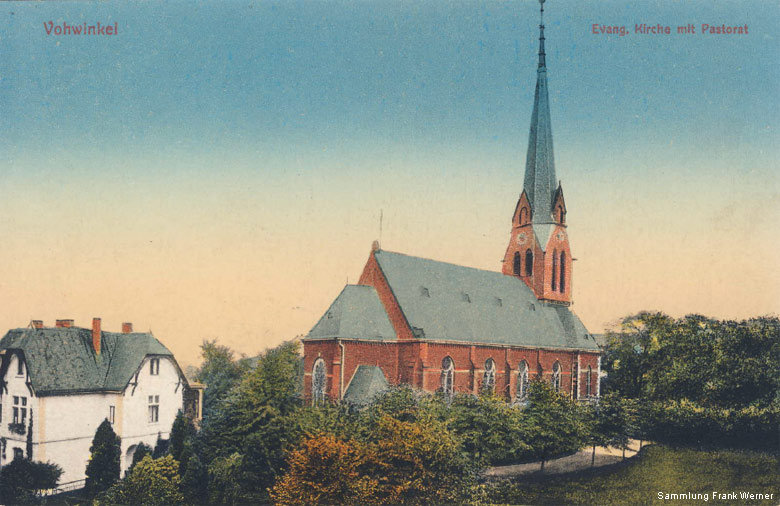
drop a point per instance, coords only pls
(556, 377)
(18, 453)
(19, 366)
(529, 262)
(517, 266)
(318, 382)
(489, 378)
(563, 272)
(154, 408)
(447, 376)
(554, 278)
(588, 388)
(154, 366)
(574, 382)
(20, 410)
(522, 380)
(111, 414)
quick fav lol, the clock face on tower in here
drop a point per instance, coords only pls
(521, 238)
(560, 236)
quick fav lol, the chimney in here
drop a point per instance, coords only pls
(96, 335)
(37, 324)
(127, 328)
(65, 323)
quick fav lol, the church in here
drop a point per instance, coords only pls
(444, 327)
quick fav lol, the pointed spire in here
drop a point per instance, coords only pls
(540, 181)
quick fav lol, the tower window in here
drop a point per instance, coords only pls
(554, 277)
(517, 266)
(523, 215)
(318, 382)
(563, 272)
(588, 381)
(561, 215)
(529, 262)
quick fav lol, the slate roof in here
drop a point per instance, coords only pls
(367, 382)
(540, 182)
(448, 302)
(356, 313)
(61, 359)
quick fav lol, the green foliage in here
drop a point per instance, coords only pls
(555, 423)
(104, 461)
(22, 478)
(226, 481)
(152, 482)
(615, 421)
(160, 447)
(194, 480)
(181, 431)
(657, 468)
(29, 445)
(220, 371)
(141, 451)
(700, 380)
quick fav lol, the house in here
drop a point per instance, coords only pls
(57, 384)
(444, 327)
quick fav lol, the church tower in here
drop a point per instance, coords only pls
(538, 251)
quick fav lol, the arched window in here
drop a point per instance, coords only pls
(588, 388)
(554, 277)
(561, 215)
(562, 284)
(522, 380)
(575, 393)
(556, 376)
(489, 378)
(318, 382)
(523, 215)
(447, 376)
(517, 267)
(529, 262)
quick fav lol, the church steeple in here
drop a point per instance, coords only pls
(538, 251)
(540, 182)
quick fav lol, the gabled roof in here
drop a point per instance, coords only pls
(447, 302)
(367, 382)
(356, 313)
(62, 360)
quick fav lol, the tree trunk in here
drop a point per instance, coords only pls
(624, 453)
(542, 465)
(640, 443)
(593, 457)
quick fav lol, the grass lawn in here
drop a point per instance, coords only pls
(656, 469)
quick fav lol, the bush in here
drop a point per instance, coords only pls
(103, 467)
(152, 482)
(22, 478)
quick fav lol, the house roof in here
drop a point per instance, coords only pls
(356, 313)
(447, 302)
(62, 360)
(367, 382)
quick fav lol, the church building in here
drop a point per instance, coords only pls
(444, 327)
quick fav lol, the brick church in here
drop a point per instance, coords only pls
(445, 327)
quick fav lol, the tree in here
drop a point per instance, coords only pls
(181, 431)
(194, 481)
(103, 467)
(152, 482)
(22, 478)
(555, 422)
(325, 470)
(221, 371)
(614, 422)
(29, 445)
(141, 451)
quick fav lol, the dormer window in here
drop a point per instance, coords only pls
(154, 366)
(424, 292)
(465, 297)
(498, 302)
(19, 366)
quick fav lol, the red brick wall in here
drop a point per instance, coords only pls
(419, 364)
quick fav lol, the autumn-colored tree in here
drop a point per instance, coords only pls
(327, 471)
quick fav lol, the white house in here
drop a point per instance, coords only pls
(57, 384)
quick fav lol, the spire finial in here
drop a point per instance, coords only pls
(541, 35)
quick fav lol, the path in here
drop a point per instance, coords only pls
(577, 462)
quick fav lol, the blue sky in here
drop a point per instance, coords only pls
(209, 136)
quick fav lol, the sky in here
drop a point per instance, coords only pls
(217, 170)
